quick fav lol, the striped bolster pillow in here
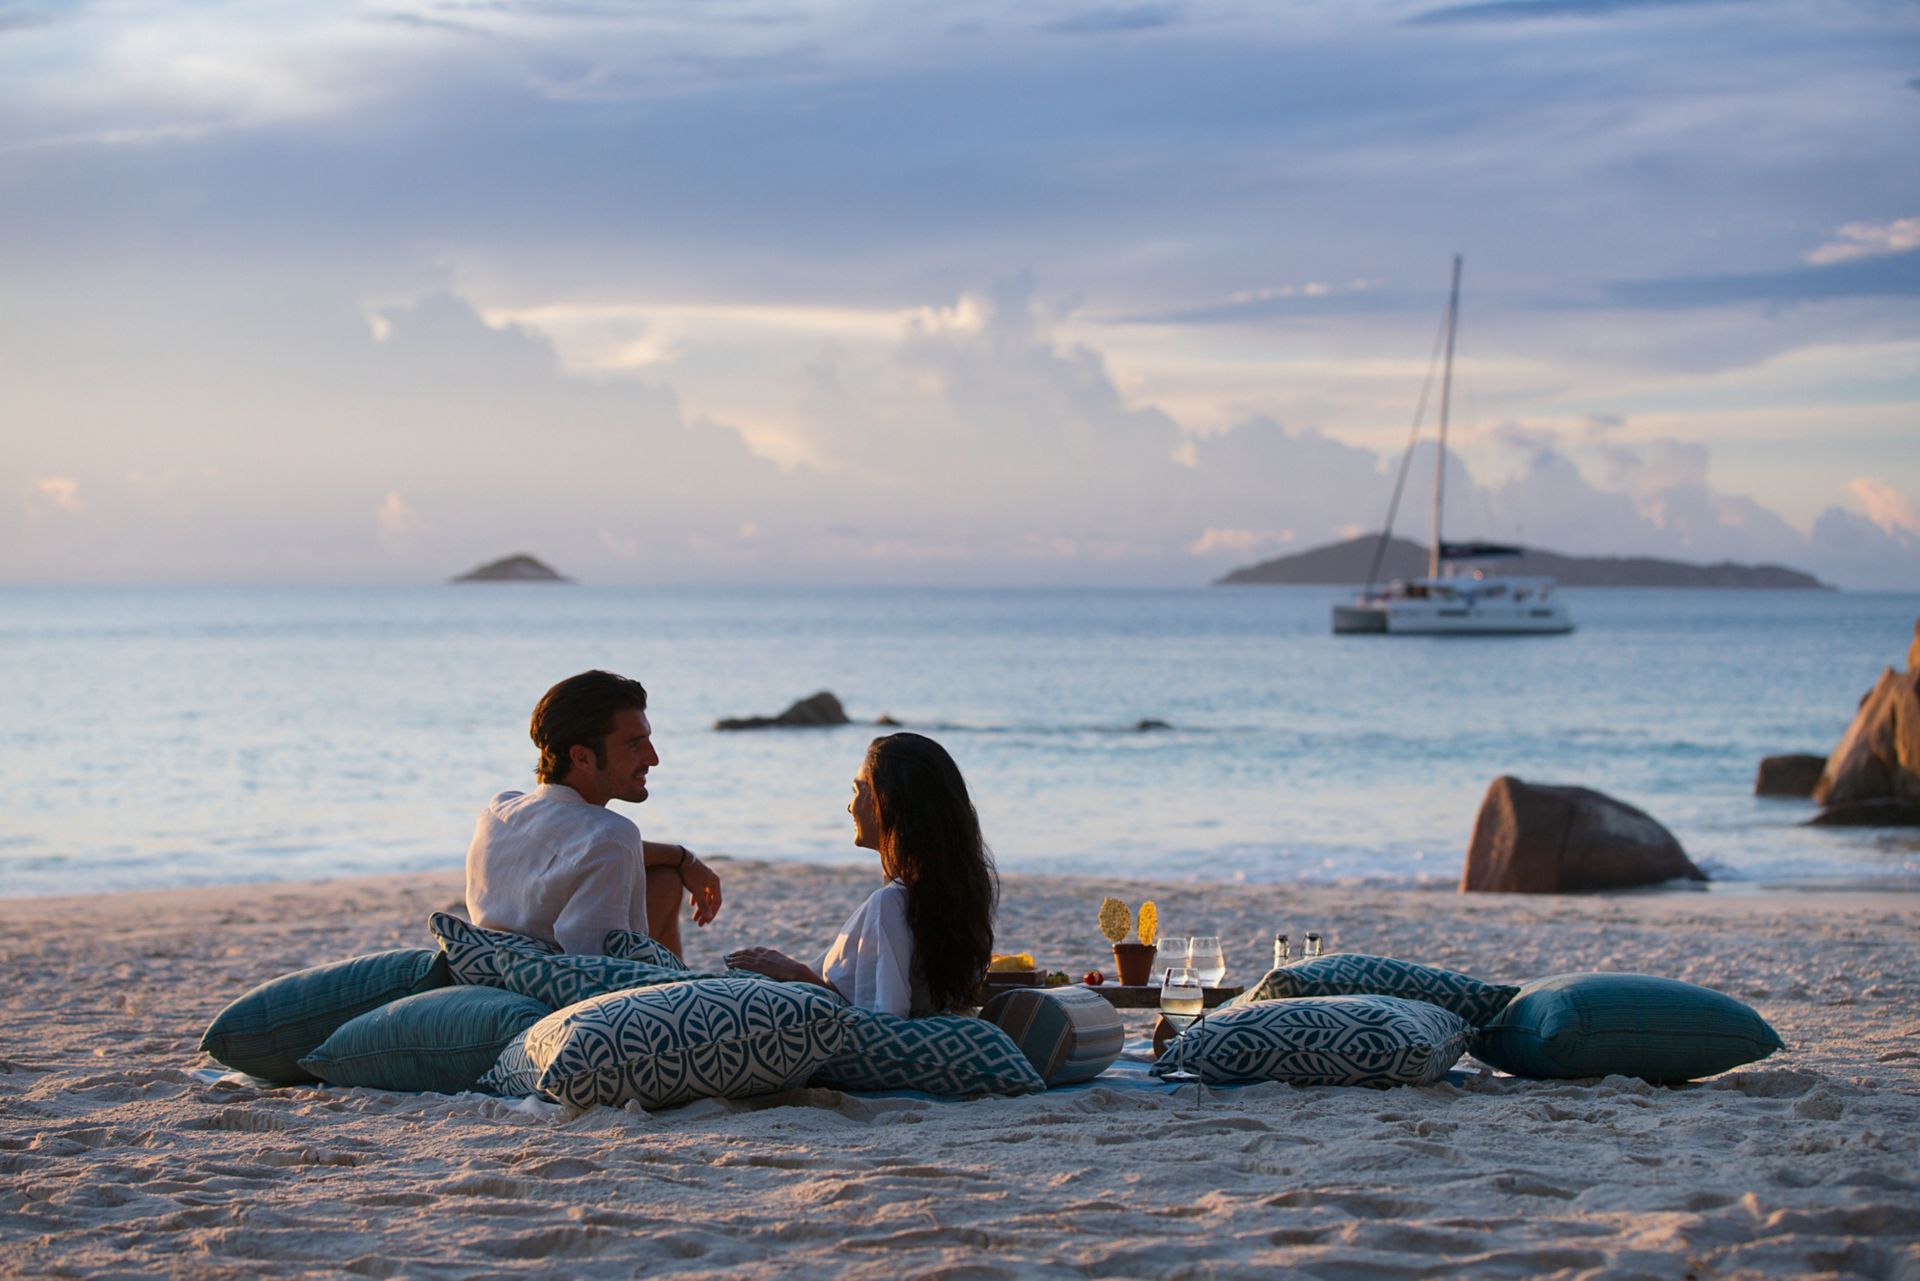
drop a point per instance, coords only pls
(1068, 1033)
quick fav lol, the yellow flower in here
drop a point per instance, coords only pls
(1149, 922)
(1115, 919)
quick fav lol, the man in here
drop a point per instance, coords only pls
(557, 864)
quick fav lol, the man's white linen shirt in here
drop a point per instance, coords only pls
(550, 864)
(871, 962)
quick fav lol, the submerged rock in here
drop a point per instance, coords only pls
(1539, 839)
(1881, 811)
(513, 569)
(1795, 774)
(820, 709)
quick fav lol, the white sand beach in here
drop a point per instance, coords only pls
(121, 1159)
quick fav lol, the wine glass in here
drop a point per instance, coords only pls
(1183, 1003)
(1206, 958)
(1168, 952)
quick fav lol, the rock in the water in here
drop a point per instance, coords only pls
(886, 721)
(1879, 755)
(1792, 775)
(1881, 811)
(1148, 723)
(1537, 839)
(821, 709)
(513, 569)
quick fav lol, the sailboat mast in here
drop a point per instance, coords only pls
(1446, 403)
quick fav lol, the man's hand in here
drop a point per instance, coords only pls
(775, 965)
(703, 889)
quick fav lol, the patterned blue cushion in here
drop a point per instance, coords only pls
(951, 1055)
(269, 1029)
(562, 980)
(1579, 1025)
(1068, 1033)
(703, 1038)
(1355, 974)
(470, 949)
(629, 946)
(439, 1041)
(1323, 1040)
(514, 1074)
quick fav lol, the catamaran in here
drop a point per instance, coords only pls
(1457, 596)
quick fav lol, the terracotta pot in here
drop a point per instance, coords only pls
(1134, 961)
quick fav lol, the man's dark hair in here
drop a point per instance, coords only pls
(578, 712)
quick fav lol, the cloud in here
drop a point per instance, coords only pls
(1868, 240)
(1833, 279)
(61, 493)
(1239, 542)
(1887, 507)
(397, 520)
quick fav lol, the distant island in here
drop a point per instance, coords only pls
(1346, 564)
(513, 569)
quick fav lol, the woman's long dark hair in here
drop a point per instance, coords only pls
(930, 842)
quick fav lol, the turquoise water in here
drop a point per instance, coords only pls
(176, 736)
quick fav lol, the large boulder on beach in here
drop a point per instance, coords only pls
(1533, 838)
(1881, 811)
(819, 709)
(1795, 774)
(1879, 755)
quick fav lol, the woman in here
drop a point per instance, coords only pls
(920, 943)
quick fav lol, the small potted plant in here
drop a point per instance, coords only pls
(1133, 960)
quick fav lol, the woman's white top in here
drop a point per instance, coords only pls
(871, 963)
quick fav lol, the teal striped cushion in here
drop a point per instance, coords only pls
(950, 1055)
(703, 1038)
(1322, 1040)
(1069, 1034)
(439, 1041)
(271, 1028)
(1581, 1025)
(1356, 974)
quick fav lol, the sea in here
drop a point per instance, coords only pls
(178, 736)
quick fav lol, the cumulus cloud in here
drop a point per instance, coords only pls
(1868, 240)
(59, 492)
(1887, 507)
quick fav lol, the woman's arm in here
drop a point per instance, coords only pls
(774, 965)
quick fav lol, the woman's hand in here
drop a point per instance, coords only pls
(772, 964)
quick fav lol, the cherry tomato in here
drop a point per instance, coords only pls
(1094, 978)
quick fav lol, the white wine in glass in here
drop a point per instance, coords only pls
(1181, 994)
(1206, 958)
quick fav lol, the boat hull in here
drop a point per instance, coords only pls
(1419, 618)
(1357, 619)
(1458, 607)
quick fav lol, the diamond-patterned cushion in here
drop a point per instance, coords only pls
(269, 1029)
(470, 949)
(1579, 1025)
(700, 1038)
(631, 946)
(1322, 1040)
(1069, 1033)
(950, 1055)
(561, 980)
(1356, 974)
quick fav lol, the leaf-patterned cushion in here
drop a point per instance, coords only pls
(1356, 974)
(1322, 1040)
(950, 1055)
(470, 949)
(514, 1074)
(568, 977)
(701, 1038)
(630, 946)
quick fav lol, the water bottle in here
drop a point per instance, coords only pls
(1282, 951)
(1313, 944)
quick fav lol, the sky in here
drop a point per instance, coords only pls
(750, 291)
